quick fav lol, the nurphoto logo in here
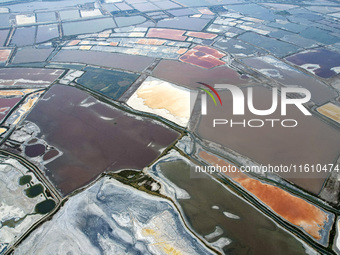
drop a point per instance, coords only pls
(238, 105)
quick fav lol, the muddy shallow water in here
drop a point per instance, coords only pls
(94, 137)
(251, 232)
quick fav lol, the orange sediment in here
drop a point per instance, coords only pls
(85, 47)
(15, 92)
(74, 42)
(24, 108)
(2, 130)
(203, 56)
(331, 111)
(166, 33)
(27, 91)
(293, 209)
(201, 35)
(181, 51)
(4, 54)
(165, 245)
(11, 93)
(104, 34)
(151, 41)
(166, 97)
(206, 11)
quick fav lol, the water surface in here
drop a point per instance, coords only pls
(310, 142)
(107, 82)
(94, 137)
(114, 60)
(249, 234)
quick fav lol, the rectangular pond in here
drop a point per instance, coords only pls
(94, 137)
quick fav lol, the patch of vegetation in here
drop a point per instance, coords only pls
(138, 180)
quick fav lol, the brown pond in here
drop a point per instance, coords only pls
(324, 61)
(286, 75)
(293, 209)
(94, 137)
(107, 59)
(6, 104)
(188, 75)
(310, 142)
(250, 232)
(28, 76)
(50, 154)
(34, 150)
